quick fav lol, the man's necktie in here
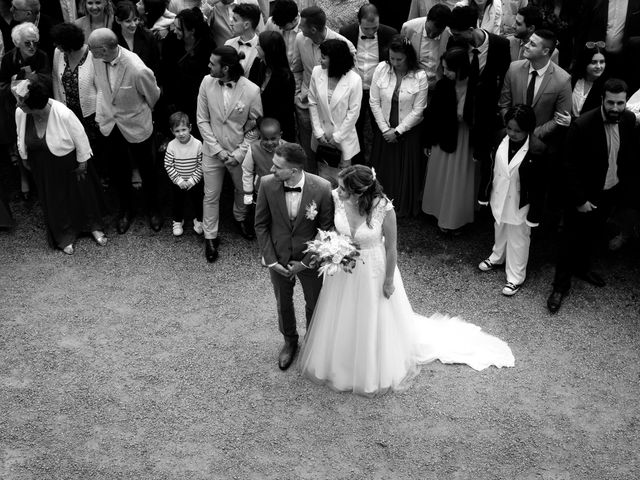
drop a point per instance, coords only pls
(225, 84)
(474, 71)
(292, 189)
(531, 88)
(364, 37)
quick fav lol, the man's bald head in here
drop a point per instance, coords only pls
(103, 44)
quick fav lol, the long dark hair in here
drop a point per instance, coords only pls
(192, 19)
(275, 52)
(361, 180)
(584, 59)
(401, 44)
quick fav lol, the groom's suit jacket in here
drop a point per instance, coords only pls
(281, 239)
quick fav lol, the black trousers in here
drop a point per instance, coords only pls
(581, 233)
(120, 153)
(181, 197)
(283, 289)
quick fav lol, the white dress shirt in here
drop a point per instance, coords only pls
(541, 72)
(293, 199)
(288, 35)
(250, 51)
(367, 58)
(483, 51)
(430, 52)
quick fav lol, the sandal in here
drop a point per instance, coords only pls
(68, 249)
(99, 237)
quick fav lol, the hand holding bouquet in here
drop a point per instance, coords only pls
(332, 252)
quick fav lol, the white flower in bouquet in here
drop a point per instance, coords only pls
(333, 252)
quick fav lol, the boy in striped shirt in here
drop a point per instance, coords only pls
(183, 163)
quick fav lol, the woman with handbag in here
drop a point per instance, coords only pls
(398, 97)
(335, 93)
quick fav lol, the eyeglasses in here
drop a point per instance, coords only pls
(16, 9)
(30, 43)
(592, 45)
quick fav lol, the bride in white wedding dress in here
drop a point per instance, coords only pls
(364, 335)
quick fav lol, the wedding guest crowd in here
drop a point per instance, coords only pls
(519, 105)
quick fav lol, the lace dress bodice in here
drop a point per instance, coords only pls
(365, 236)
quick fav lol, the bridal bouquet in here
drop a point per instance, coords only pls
(333, 251)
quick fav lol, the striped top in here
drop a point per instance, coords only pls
(184, 161)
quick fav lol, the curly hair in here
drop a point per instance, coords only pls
(361, 180)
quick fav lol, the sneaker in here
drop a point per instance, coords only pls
(510, 289)
(486, 265)
(177, 228)
(197, 226)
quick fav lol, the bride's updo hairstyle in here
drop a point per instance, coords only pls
(361, 180)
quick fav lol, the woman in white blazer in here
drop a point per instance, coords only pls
(517, 196)
(398, 97)
(335, 93)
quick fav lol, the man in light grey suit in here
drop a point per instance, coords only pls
(540, 83)
(127, 93)
(228, 106)
(292, 206)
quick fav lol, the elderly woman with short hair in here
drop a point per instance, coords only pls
(24, 61)
(53, 144)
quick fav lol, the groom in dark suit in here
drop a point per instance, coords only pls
(292, 205)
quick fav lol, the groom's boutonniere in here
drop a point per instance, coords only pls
(311, 210)
(239, 107)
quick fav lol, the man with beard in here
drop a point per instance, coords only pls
(601, 174)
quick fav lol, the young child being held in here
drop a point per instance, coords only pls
(183, 163)
(259, 158)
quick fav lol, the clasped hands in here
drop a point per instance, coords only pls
(326, 140)
(586, 207)
(228, 159)
(292, 269)
(390, 136)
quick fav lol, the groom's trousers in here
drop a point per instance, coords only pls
(283, 289)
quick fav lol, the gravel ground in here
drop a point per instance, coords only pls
(141, 361)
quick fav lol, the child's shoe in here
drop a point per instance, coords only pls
(197, 226)
(177, 228)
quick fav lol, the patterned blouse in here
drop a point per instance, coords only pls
(70, 84)
(340, 12)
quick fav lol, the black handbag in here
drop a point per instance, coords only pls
(330, 155)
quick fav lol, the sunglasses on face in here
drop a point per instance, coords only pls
(591, 45)
(30, 43)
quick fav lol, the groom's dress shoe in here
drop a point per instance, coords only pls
(211, 249)
(593, 278)
(287, 354)
(554, 301)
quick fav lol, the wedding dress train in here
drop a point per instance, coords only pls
(361, 341)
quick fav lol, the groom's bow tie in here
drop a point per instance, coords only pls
(292, 189)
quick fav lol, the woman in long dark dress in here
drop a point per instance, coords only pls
(398, 96)
(24, 61)
(53, 144)
(272, 74)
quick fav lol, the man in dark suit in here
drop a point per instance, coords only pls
(601, 173)
(292, 205)
(490, 57)
(617, 22)
(371, 40)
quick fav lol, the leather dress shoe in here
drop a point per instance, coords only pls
(245, 231)
(155, 222)
(554, 301)
(593, 278)
(124, 222)
(211, 249)
(287, 354)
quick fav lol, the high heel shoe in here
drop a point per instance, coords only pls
(68, 250)
(99, 237)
